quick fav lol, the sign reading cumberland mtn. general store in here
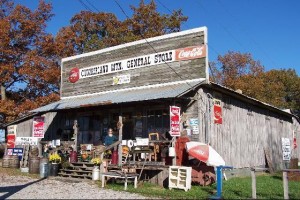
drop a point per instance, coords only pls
(146, 62)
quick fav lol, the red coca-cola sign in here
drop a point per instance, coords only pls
(190, 53)
(74, 75)
(11, 139)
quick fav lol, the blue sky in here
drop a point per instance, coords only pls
(268, 29)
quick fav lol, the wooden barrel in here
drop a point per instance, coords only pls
(34, 165)
(34, 152)
(2, 149)
(6, 161)
(14, 162)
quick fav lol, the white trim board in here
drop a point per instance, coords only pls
(171, 35)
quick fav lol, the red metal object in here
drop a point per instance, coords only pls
(73, 157)
(182, 157)
(114, 157)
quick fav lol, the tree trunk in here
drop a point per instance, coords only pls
(3, 93)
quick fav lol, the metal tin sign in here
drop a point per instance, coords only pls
(11, 140)
(26, 140)
(38, 127)
(175, 121)
(217, 112)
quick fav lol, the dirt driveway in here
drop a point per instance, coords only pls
(22, 187)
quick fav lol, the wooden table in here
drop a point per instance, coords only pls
(122, 176)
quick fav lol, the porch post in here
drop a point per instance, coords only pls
(120, 125)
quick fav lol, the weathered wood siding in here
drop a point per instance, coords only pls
(243, 135)
(52, 123)
(188, 69)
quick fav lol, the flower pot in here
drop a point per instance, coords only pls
(54, 168)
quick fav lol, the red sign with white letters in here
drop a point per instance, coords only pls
(175, 121)
(190, 53)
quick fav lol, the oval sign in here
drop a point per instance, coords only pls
(74, 75)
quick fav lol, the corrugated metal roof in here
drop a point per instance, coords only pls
(122, 96)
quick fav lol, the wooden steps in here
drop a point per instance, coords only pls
(78, 170)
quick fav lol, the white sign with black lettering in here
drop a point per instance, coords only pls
(26, 140)
(286, 149)
(194, 125)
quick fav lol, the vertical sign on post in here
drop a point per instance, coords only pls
(38, 127)
(11, 136)
(286, 149)
(174, 121)
(217, 112)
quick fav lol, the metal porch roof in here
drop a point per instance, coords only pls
(162, 91)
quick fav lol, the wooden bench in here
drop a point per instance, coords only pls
(121, 176)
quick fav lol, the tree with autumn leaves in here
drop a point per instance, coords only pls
(29, 67)
(280, 88)
(30, 57)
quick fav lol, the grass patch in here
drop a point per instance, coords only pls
(17, 172)
(267, 187)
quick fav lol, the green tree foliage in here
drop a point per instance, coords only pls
(280, 88)
(89, 31)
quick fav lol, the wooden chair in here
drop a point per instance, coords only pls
(155, 147)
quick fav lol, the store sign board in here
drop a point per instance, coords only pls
(286, 149)
(26, 140)
(158, 60)
(38, 127)
(175, 121)
(187, 53)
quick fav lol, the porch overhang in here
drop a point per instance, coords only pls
(144, 93)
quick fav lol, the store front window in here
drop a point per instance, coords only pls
(158, 121)
(89, 130)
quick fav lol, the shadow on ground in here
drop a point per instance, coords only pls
(10, 190)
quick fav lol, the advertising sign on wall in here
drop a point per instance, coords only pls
(217, 112)
(11, 140)
(26, 140)
(12, 129)
(194, 125)
(38, 127)
(117, 80)
(175, 121)
(286, 149)
(15, 151)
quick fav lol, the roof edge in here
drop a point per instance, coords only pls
(266, 105)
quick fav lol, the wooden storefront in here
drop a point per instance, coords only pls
(139, 81)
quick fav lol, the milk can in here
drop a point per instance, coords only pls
(44, 167)
(96, 173)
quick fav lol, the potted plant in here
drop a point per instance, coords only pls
(96, 161)
(55, 161)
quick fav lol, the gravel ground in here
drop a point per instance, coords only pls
(21, 187)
